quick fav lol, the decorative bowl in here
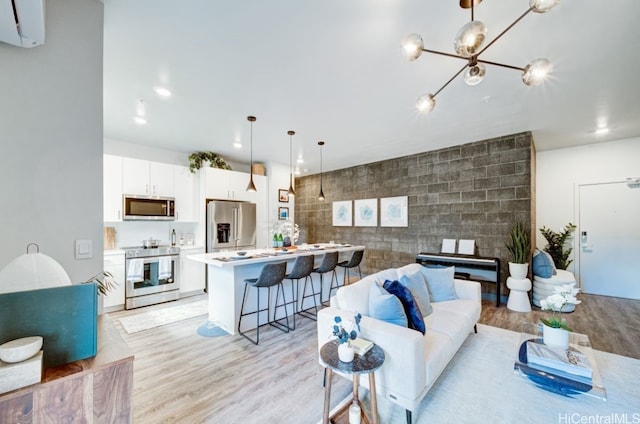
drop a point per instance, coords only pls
(316, 245)
(19, 350)
(242, 253)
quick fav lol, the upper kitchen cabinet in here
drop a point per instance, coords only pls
(112, 188)
(143, 177)
(186, 193)
(229, 185)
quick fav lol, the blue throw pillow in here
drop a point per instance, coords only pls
(542, 264)
(385, 306)
(418, 286)
(440, 283)
(414, 315)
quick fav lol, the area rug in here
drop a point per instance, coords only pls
(157, 317)
(479, 386)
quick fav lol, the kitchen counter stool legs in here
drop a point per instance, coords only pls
(355, 260)
(272, 274)
(329, 263)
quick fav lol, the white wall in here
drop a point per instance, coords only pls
(278, 176)
(558, 172)
(51, 137)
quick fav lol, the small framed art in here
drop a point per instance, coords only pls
(283, 213)
(283, 197)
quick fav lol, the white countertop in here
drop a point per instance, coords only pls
(113, 252)
(232, 259)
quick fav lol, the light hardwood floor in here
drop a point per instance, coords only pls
(181, 377)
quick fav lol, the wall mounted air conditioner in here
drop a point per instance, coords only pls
(22, 22)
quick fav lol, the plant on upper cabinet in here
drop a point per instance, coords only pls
(555, 245)
(519, 246)
(197, 158)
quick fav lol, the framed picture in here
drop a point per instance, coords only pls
(342, 213)
(283, 213)
(365, 212)
(283, 197)
(394, 211)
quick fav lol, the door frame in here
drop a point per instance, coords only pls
(577, 251)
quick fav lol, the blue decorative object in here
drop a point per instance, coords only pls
(414, 315)
(342, 334)
(209, 329)
(65, 317)
(385, 306)
(542, 264)
(440, 283)
(418, 286)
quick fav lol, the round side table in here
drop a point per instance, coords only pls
(365, 364)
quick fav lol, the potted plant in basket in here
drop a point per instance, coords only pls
(555, 331)
(519, 246)
(345, 350)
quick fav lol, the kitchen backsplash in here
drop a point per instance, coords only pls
(132, 233)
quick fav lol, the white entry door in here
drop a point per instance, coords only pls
(609, 239)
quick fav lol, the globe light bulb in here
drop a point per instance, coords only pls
(412, 46)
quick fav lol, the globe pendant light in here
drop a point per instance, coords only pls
(321, 195)
(468, 46)
(251, 186)
(291, 191)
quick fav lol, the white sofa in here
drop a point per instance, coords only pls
(413, 361)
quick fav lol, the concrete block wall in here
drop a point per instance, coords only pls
(471, 191)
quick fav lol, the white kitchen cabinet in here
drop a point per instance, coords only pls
(192, 273)
(145, 177)
(114, 263)
(112, 188)
(186, 193)
(229, 185)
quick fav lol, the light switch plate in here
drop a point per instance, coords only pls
(84, 249)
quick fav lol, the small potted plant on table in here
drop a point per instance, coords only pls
(346, 352)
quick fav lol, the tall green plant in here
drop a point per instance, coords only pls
(518, 244)
(556, 245)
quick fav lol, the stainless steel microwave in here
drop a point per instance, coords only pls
(149, 208)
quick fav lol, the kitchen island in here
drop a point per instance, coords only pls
(228, 270)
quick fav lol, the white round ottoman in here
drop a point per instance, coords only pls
(543, 287)
(518, 297)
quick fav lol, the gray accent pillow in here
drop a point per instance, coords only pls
(418, 286)
(440, 283)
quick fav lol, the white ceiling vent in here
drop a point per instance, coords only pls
(22, 22)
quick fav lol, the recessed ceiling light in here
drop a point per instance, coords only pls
(602, 131)
(297, 171)
(300, 160)
(162, 91)
(140, 120)
(237, 144)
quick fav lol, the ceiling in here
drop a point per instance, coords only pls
(333, 70)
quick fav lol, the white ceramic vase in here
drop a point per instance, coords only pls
(346, 353)
(555, 337)
(518, 271)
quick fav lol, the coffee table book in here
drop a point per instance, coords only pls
(551, 380)
(569, 362)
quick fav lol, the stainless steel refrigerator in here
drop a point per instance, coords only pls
(230, 225)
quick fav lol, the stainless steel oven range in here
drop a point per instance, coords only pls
(151, 275)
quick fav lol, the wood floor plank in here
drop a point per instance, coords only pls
(181, 377)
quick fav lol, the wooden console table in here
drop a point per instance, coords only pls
(93, 390)
(476, 268)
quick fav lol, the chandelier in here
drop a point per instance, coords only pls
(468, 45)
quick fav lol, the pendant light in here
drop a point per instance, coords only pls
(251, 186)
(291, 191)
(321, 195)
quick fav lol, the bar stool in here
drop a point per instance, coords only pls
(355, 260)
(302, 268)
(272, 274)
(328, 264)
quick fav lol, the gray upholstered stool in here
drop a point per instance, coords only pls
(328, 264)
(302, 268)
(355, 260)
(272, 274)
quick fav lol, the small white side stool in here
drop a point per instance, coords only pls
(518, 297)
